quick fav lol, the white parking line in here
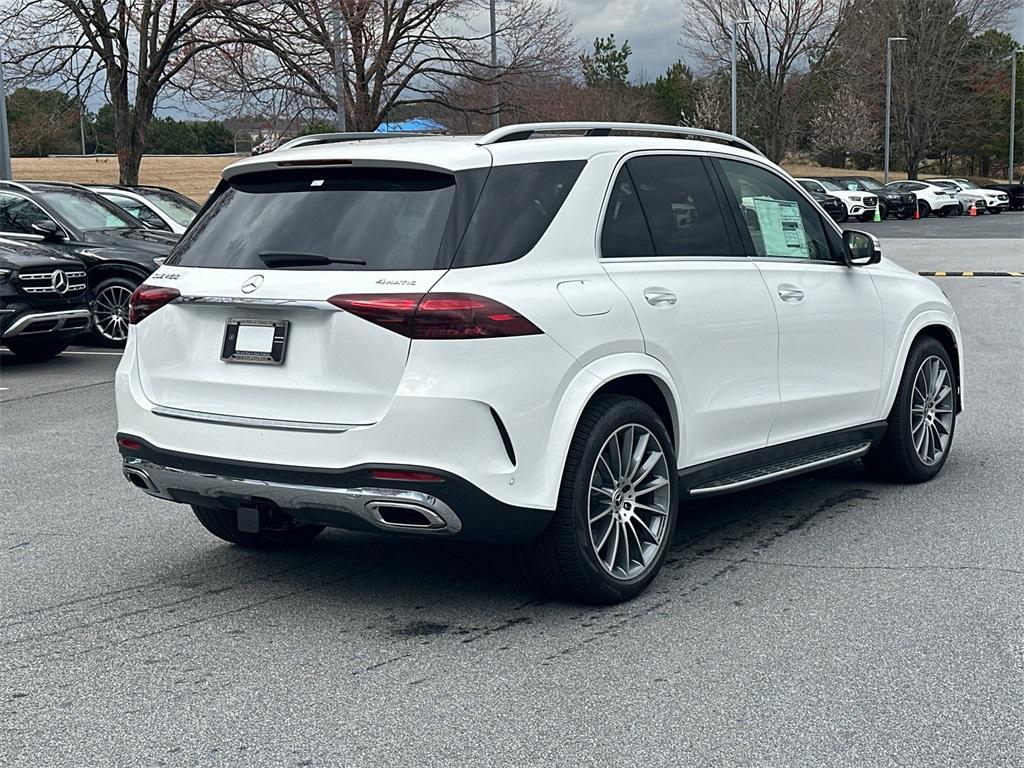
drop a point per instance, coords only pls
(88, 352)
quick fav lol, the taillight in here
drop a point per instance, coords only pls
(437, 315)
(147, 299)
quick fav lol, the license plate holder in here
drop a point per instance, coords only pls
(249, 340)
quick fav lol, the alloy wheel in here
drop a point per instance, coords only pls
(931, 410)
(628, 509)
(110, 313)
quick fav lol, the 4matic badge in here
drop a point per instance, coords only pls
(382, 281)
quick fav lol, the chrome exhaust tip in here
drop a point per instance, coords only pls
(139, 479)
(405, 515)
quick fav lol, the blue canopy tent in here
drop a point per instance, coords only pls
(412, 125)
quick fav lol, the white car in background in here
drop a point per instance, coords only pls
(156, 207)
(859, 205)
(524, 337)
(990, 200)
(931, 198)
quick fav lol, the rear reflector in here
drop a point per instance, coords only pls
(128, 444)
(437, 315)
(147, 299)
(397, 474)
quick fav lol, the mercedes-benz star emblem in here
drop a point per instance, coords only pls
(252, 283)
(59, 282)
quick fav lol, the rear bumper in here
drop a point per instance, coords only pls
(349, 498)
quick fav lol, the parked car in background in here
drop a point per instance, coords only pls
(990, 200)
(833, 206)
(569, 335)
(858, 204)
(931, 198)
(156, 207)
(43, 300)
(118, 251)
(1014, 191)
(890, 202)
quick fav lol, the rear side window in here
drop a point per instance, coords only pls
(680, 206)
(625, 233)
(517, 205)
(361, 219)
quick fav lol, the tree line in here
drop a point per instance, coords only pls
(810, 72)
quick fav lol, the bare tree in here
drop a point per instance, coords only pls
(776, 47)
(141, 47)
(844, 126)
(409, 52)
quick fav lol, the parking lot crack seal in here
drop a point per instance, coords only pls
(903, 568)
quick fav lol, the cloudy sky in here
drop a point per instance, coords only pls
(653, 28)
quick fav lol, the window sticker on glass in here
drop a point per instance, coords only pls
(782, 228)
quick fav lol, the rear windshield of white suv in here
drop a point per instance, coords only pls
(373, 219)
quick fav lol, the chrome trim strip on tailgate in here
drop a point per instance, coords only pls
(248, 421)
(248, 301)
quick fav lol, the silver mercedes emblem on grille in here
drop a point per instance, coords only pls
(59, 282)
(252, 283)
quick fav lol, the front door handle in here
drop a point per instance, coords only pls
(659, 297)
(790, 294)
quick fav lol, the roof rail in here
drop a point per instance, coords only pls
(72, 184)
(15, 184)
(330, 138)
(526, 130)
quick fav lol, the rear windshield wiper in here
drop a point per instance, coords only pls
(286, 259)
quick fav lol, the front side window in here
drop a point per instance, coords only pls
(139, 211)
(18, 214)
(781, 222)
(86, 211)
(180, 209)
(811, 186)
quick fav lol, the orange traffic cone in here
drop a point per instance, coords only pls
(917, 213)
(973, 211)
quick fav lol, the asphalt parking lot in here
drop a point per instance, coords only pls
(823, 621)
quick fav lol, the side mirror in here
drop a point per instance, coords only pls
(861, 248)
(48, 229)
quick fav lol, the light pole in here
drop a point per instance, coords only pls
(496, 117)
(735, 23)
(1013, 104)
(340, 53)
(5, 144)
(888, 100)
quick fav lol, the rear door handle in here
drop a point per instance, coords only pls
(790, 293)
(659, 297)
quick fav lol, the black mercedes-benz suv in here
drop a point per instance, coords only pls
(890, 202)
(118, 251)
(43, 300)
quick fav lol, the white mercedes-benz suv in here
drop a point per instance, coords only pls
(550, 335)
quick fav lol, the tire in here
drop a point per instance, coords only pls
(36, 350)
(924, 209)
(110, 309)
(845, 216)
(995, 211)
(942, 212)
(223, 523)
(866, 216)
(567, 560)
(883, 211)
(897, 457)
(958, 211)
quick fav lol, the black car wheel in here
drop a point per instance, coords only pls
(995, 210)
(110, 310)
(36, 350)
(883, 211)
(924, 209)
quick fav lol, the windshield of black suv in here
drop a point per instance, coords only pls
(370, 219)
(88, 212)
(180, 209)
(829, 185)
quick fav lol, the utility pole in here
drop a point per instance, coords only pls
(5, 141)
(1013, 105)
(735, 24)
(496, 117)
(888, 101)
(340, 53)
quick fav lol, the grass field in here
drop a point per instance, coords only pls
(196, 175)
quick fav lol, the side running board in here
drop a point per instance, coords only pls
(778, 470)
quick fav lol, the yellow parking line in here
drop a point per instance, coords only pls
(968, 274)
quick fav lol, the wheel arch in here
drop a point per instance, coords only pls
(106, 270)
(936, 324)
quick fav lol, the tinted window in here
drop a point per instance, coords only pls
(781, 222)
(811, 186)
(87, 211)
(625, 231)
(373, 219)
(138, 210)
(517, 205)
(18, 214)
(180, 209)
(680, 206)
